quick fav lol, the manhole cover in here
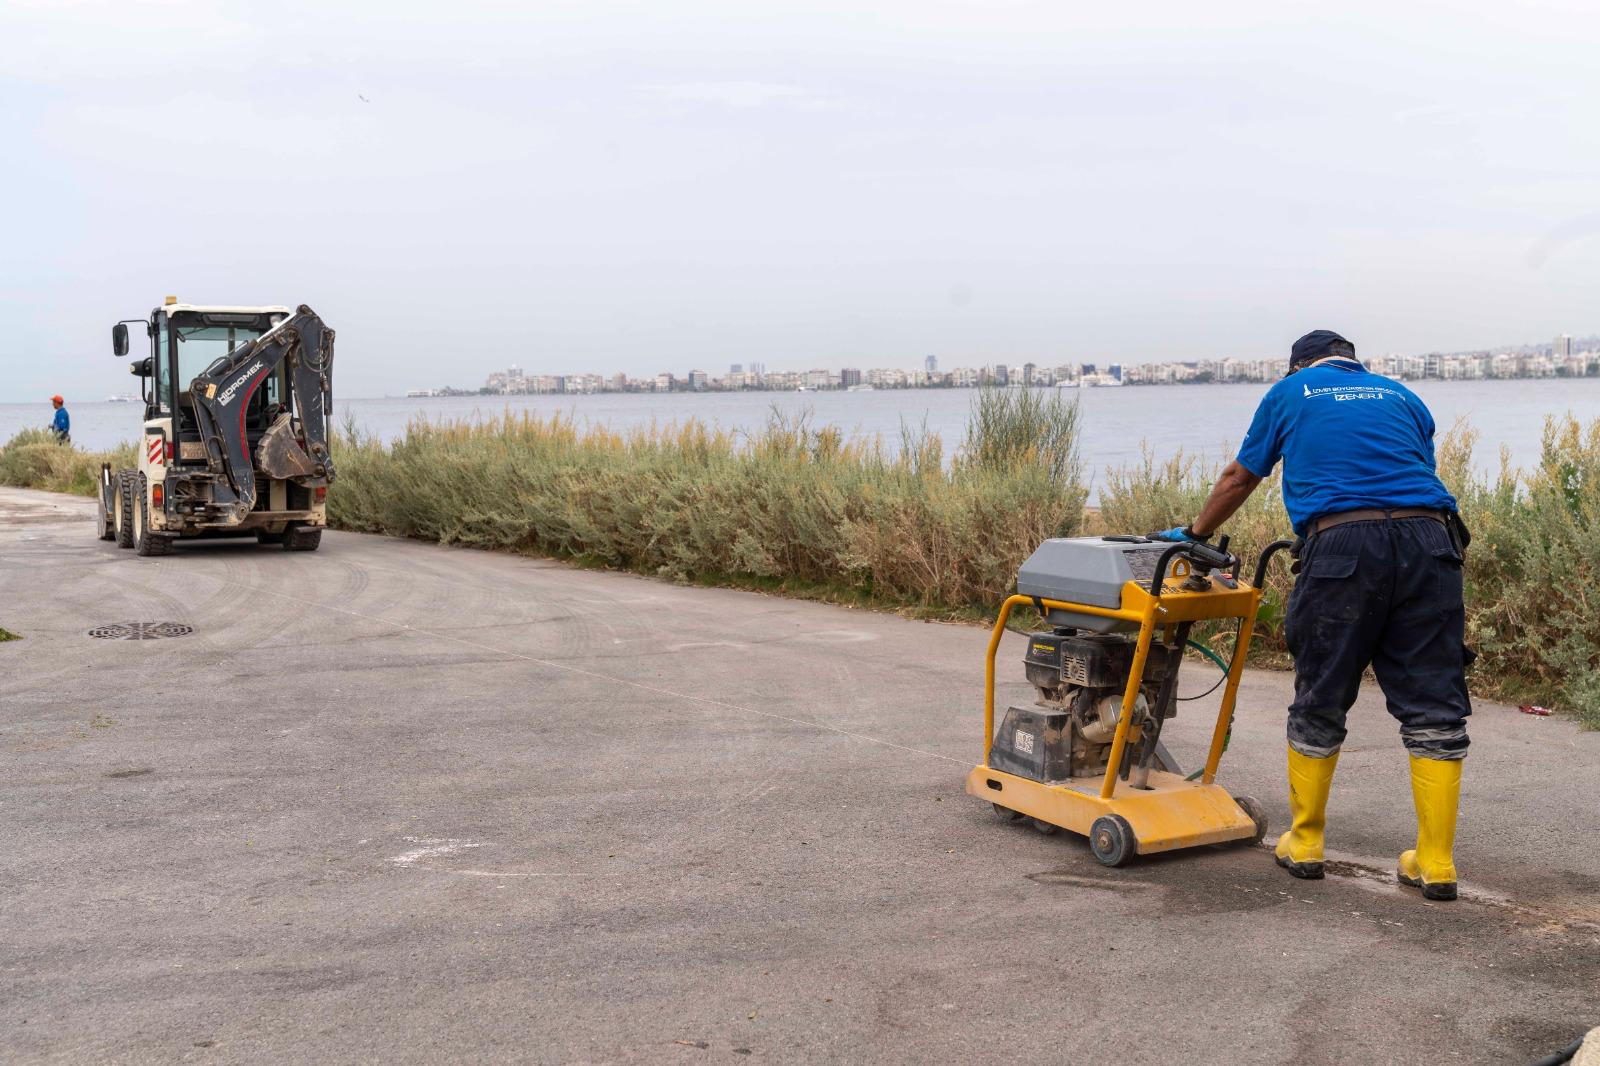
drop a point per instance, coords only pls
(140, 630)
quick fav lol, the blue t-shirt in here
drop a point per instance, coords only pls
(1348, 439)
(63, 423)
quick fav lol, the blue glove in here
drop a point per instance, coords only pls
(1177, 535)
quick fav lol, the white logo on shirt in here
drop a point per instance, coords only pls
(1351, 392)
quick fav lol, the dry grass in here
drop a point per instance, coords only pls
(790, 506)
(34, 459)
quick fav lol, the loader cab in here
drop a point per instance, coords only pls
(184, 341)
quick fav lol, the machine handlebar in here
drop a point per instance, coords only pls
(1211, 556)
(1266, 557)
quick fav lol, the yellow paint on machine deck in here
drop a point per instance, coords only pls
(1173, 813)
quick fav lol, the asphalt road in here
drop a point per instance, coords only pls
(392, 802)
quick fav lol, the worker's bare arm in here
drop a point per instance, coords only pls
(1227, 495)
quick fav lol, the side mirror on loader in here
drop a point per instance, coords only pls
(119, 339)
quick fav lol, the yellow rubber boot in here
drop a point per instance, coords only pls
(1300, 849)
(1436, 790)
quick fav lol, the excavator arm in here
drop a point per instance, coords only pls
(295, 446)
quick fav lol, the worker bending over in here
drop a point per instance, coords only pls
(1379, 583)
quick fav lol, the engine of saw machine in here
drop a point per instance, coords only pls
(1079, 680)
(1079, 668)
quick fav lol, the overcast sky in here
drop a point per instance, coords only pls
(664, 186)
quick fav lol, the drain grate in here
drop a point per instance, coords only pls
(140, 630)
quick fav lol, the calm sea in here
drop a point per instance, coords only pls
(1207, 419)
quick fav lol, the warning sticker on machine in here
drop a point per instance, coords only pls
(1024, 742)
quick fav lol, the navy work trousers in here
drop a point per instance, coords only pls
(1385, 593)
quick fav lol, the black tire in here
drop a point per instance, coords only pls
(1258, 814)
(146, 541)
(1049, 829)
(123, 496)
(300, 539)
(1112, 841)
(264, 536)
(1007, 814)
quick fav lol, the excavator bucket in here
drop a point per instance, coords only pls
(296, 444)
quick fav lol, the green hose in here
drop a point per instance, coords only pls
(1211, 654)
(1206, 650)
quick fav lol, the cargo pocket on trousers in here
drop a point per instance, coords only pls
(1335, 566)
(1324, 601)
(1448, 566)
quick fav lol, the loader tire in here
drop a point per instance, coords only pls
(300, 539)
(122, 521)
(146, 541)
(264, 536)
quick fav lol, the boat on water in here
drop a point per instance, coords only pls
(1072, 384)
(861, 388)
(805, 388)
(114, 398)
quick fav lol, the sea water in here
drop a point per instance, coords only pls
(1204, 420)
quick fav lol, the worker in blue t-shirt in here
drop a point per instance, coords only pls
(1379, 585)
(62, 426)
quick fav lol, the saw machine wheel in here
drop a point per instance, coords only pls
(1258, 814)
(1111, 839)
(1007, 814)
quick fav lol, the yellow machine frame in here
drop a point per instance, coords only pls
(1172, 812)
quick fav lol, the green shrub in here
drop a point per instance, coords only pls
(34, 459)
(791, 504)
(1533, 580)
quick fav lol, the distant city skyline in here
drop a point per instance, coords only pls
(1565, 355)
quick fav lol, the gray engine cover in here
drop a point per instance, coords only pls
(1088, 570)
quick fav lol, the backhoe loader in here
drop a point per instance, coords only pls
(236, 407)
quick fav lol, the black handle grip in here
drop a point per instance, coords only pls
(1211, 557)
(1266, 557)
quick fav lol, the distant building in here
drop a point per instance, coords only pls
(664, 382)
(1562, 347)
(1027, 374)
(849, 377)
(698, 379)
(736, 368)
(931, 365)
(758, 369)
(1114, 371)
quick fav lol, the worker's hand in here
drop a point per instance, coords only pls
(1177, 535)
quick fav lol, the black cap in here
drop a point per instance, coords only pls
(1319, 344)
